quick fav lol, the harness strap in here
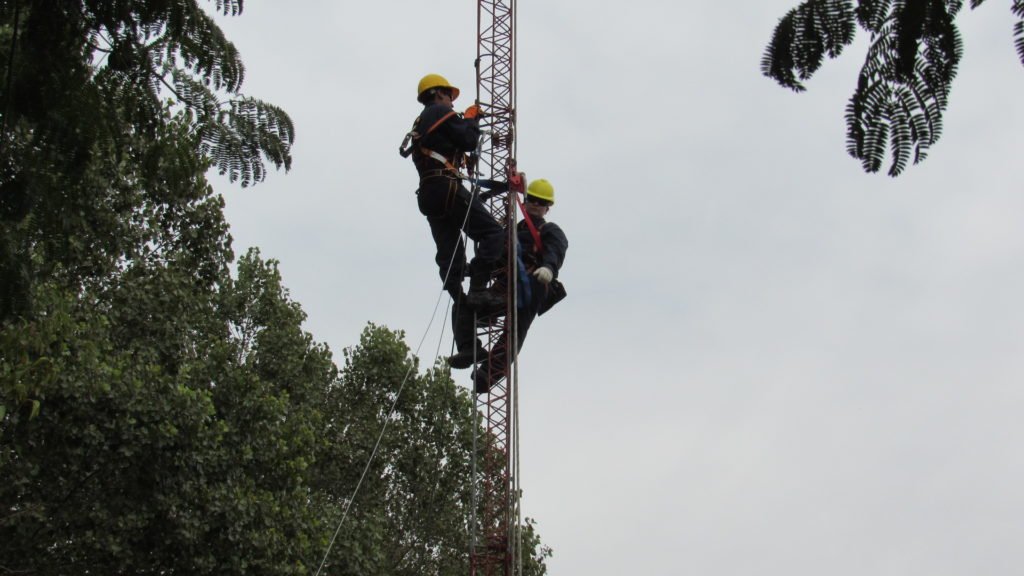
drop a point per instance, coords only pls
(439, 122)
(439, 173)
(440, 158)
(449, 164)
(406, 148)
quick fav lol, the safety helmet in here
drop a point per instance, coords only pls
(434, 81)
(542, 190)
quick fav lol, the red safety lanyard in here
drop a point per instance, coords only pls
(537, 244)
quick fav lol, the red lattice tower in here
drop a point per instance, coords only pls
(493, 546)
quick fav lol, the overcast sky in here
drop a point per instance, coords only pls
(769, 362)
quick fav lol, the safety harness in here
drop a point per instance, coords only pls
(412, 139)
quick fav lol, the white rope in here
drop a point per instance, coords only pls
(380, 437)
(477, 417)
(401, 387)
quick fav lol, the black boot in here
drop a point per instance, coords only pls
(481, 379)
(481, 299)
(464, 358)
(485, 301)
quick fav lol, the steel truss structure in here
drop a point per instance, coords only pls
(495, 528)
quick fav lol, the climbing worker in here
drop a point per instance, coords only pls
(542, 247)
(438, 143)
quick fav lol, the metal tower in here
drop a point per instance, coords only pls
(495, 539)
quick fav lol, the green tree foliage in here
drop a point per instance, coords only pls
(904, 84)
(417, 506)
(239, 456)
(159, 415)
(94, 95)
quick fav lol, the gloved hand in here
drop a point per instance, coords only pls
(471, 112)
(543, 274)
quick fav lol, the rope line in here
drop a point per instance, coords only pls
(380, 437)
(401, 387)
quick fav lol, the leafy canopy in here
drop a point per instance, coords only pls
(88, 90)
(159, 415)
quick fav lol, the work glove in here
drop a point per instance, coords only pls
(543, 274)
(471, 112)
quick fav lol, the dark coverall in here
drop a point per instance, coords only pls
(534, 298)
(445, 202)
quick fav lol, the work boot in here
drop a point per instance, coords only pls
(485, 301)
(480, 298)
(464, 358)
(482, 379)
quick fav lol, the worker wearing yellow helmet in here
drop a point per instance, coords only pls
(438, 143)
(542, 247)
(431, 85)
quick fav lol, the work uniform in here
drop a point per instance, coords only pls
(551, 255)
(448, 205)
(534, 297)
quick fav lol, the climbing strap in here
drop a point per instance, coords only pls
(442, 159)
(407, 143)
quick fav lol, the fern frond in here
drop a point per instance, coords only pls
(854, 127)
(777, 62)
(1018, 28)
(910, 23)
(943, 47)
(901, 109)
(203, 46)
(866, 134)
(195, 95)
(1018, 34)
(804, 36)
(245, 132)
(229, 7)
(900, 137)
(873, 14)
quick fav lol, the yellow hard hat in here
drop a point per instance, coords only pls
(541, 189)
(435, 81)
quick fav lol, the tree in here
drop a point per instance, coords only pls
(159, 415)
(904, 84)
(412, 513)
(87, 89)
(240, 462)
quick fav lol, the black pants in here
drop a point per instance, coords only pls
(447, 204)
(525, 316)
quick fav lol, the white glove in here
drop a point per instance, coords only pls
(543, 274)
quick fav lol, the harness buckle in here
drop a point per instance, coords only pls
(407, 147)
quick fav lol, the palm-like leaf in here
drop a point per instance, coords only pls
(1018, 28)
(804, 36)
(904, 84)
(872, 14)
(175, 45)
(901, 94)
(236, 134)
